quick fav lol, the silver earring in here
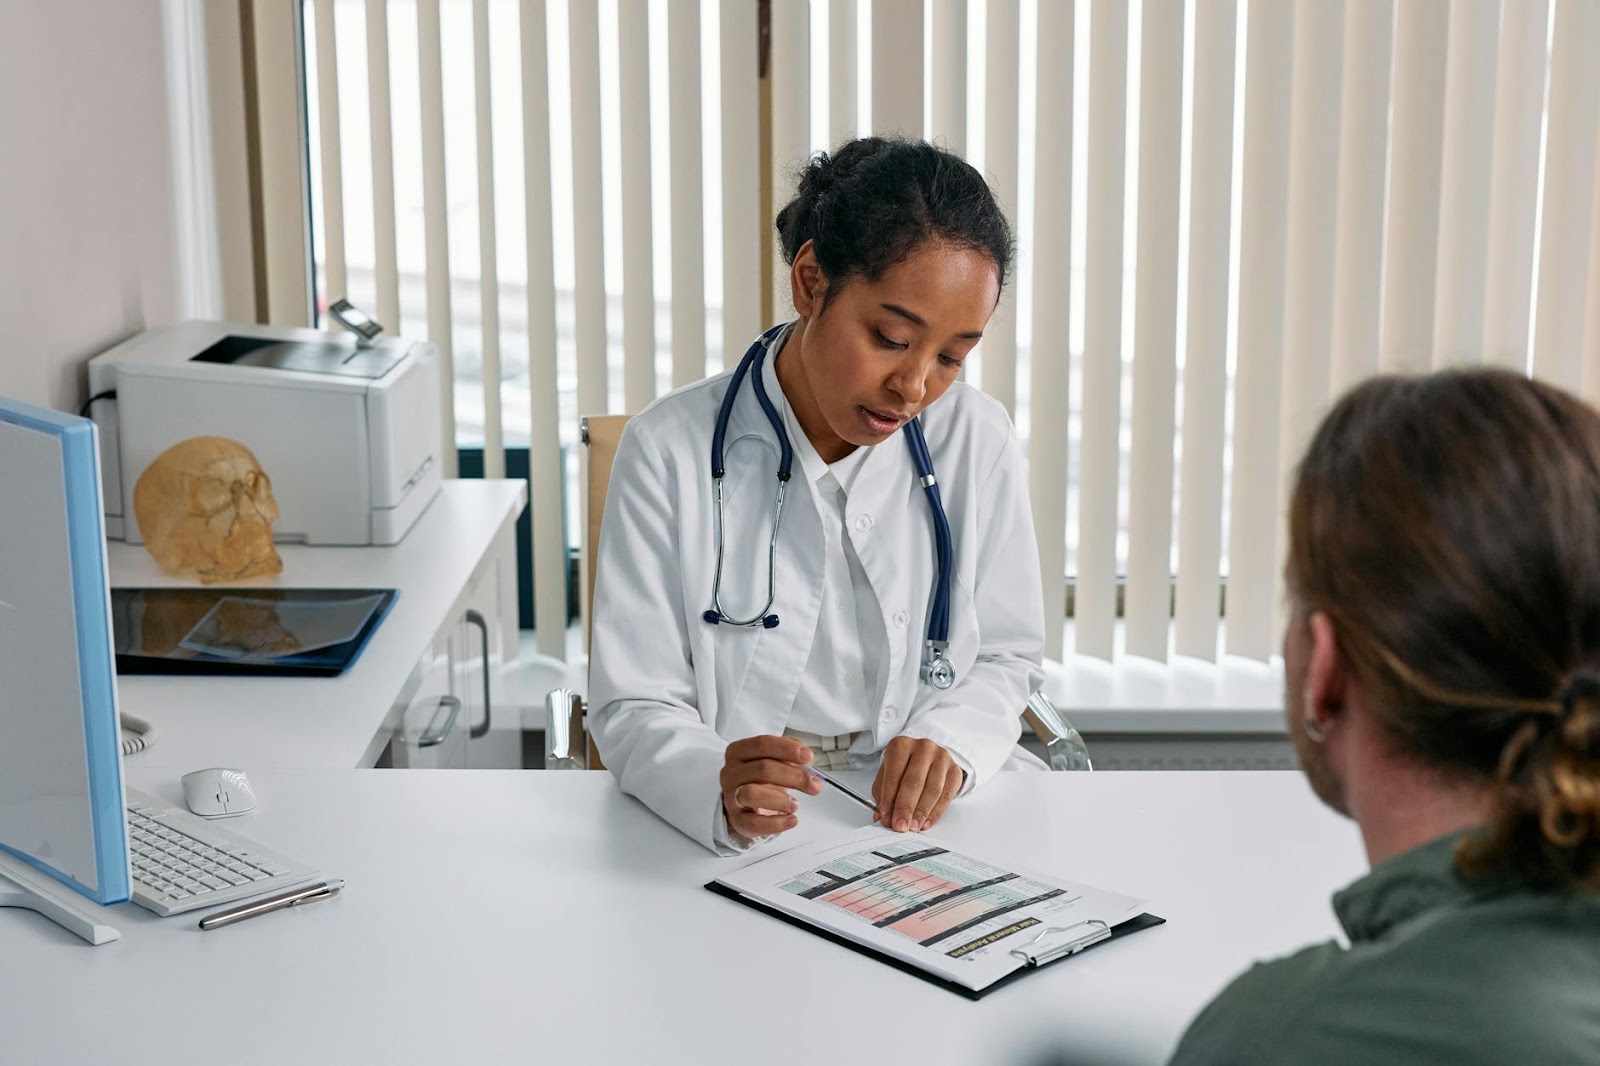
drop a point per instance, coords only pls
(1316, 729)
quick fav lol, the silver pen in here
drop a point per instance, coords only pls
(291, 898)
(846, 789)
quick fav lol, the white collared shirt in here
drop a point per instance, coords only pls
(839, 691)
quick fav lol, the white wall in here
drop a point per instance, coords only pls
(87, 253)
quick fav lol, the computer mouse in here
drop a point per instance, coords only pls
(218, 793)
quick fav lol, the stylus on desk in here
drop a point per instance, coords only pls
(291, 898)
(847, 790)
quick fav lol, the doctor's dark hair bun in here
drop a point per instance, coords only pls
(875, 200)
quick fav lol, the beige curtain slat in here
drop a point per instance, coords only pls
(742, 223)
(1096, 599)
(494, 450)
(549, 538)
(588, 220)
(638, 245)
(1312, 207)
(284, 252)
(1051, 362)
(998, 350)
(1591, 319)
(897, 29)
(1513, 182)
(1411, 243)
(436, 222)
(1309, 253)
(790, 76)
(949, 32)
(1253, 519)
(336, 281)
(386, 270)
(1569, 175)
(688, 210)
(1205, 373)
(844, 104)
(588, 232)
(1464, 181)
(1155, 332)
(1363, 163)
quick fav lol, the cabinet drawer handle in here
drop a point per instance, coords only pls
(435, 733)
(474, 618)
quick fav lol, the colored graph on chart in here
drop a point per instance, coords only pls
(919, 892)
(891, 892)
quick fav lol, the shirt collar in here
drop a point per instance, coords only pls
(1408, 885)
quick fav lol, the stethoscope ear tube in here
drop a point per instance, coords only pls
(720, 429)
(763, 618)
(752, 358)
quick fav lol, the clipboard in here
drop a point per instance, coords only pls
(208, 631)
(1049, 947)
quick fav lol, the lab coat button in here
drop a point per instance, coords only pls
(863, 523)
(849, 680)
(890, 712)
(900, 619)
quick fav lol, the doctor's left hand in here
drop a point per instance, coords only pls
(916, 781)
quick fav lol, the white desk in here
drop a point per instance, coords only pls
(503, 916)
(346, 721)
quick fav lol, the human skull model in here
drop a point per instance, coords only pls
(205, 507)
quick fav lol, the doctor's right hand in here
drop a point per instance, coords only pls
(757, 774)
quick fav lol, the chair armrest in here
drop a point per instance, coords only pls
(1062, 742)
(564, 746)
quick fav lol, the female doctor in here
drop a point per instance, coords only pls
(769, 591)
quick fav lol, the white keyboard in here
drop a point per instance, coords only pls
(182, 862)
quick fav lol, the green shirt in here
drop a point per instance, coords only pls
(1439, 970)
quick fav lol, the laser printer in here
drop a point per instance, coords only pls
(346, 427)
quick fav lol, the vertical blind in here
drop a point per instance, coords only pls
(1227, 211)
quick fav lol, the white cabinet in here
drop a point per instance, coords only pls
(460, 557)
(451, 718)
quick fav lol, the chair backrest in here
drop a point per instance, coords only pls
(601, 434)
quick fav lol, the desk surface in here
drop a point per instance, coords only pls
(505, 916)
(337, 722)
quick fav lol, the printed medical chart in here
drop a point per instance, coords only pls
(919, 900)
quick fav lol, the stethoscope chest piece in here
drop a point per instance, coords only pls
(936, 669)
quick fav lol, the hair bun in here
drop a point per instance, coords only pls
(1579, 685)
(819, 175)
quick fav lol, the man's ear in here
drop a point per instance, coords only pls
(1327, 673)
(808, 283)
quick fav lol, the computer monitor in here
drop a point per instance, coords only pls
(63, 827)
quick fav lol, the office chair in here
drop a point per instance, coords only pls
(567, 744)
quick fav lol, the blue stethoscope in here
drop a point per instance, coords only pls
(936, 669)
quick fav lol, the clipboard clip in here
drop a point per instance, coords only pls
(1097, 932)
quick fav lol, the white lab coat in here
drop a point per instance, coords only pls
(668, 691)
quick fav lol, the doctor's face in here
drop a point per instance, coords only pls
(882, 351)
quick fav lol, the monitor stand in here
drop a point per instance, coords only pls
(23, 886)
